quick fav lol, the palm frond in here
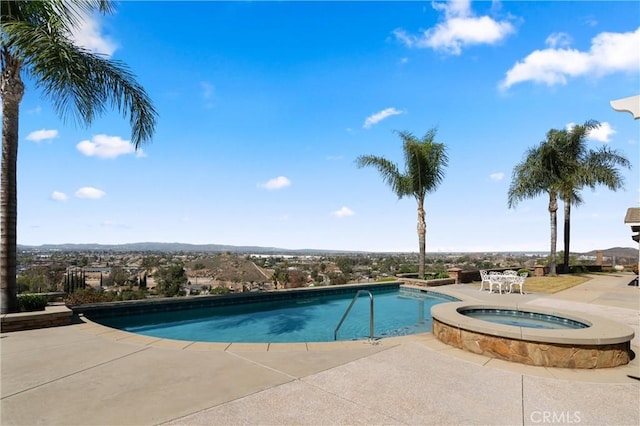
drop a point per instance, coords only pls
(79, 82)
(601, 168)
(388, 171)
(63, 15)
(424, 166)
(425, 162)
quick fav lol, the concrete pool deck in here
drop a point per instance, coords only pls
(88, 374)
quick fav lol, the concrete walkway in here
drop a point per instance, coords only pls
(88, 374)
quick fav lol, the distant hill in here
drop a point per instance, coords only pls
(221, 248)
(173, 247)
(148, 246)
(229, 268)
(615, 251)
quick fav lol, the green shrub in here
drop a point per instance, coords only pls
(220, 290)
(578, 269)
(32, 302)
(442, 275)
(523, 270)
(131, 295)
(88, 295)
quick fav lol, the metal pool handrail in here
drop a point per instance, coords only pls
(335, 332)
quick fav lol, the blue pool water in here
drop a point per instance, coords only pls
(523, 319)
(396, 313)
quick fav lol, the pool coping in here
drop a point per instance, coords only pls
(122, 336)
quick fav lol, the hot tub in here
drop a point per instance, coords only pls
(599, 343)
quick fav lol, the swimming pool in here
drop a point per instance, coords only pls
(397, 312)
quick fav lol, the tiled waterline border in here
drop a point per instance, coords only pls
(102, 310)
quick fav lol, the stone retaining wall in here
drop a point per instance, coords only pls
(52, 316)
(428, 283)
(534, 353)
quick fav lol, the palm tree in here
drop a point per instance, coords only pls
(34, 39)
(584, 167)
(275, 277)
(425, 161)
(539, 174)
(561, 166)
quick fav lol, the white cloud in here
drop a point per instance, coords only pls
(343, 212)
(42, 135)
(558, 40)
(498, 176)
(90, 193)
(591, 21)
(609, 53)
(275, 183)
(88, 35)
(207, 89)
(104, 146)
(379, 116)
(601, 133)
(59, 196)
(459, 29)
(140, 153)
(453, 8)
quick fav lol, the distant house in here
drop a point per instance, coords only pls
(632, 218)
(105, 270)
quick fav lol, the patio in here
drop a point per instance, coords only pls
(89, 374)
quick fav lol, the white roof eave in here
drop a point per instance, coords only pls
(630, 104)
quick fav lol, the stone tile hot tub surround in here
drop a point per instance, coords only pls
(603, 344)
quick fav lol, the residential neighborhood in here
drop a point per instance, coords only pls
(118, 271)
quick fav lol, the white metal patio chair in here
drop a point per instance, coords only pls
(518, 280)
(496, 279)
(509, 276)
(484, 277)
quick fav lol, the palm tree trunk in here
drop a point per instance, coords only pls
(567, 232)
(11, 89)
(553, 209)
(422, 240)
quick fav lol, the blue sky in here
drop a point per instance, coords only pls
(264, 107)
